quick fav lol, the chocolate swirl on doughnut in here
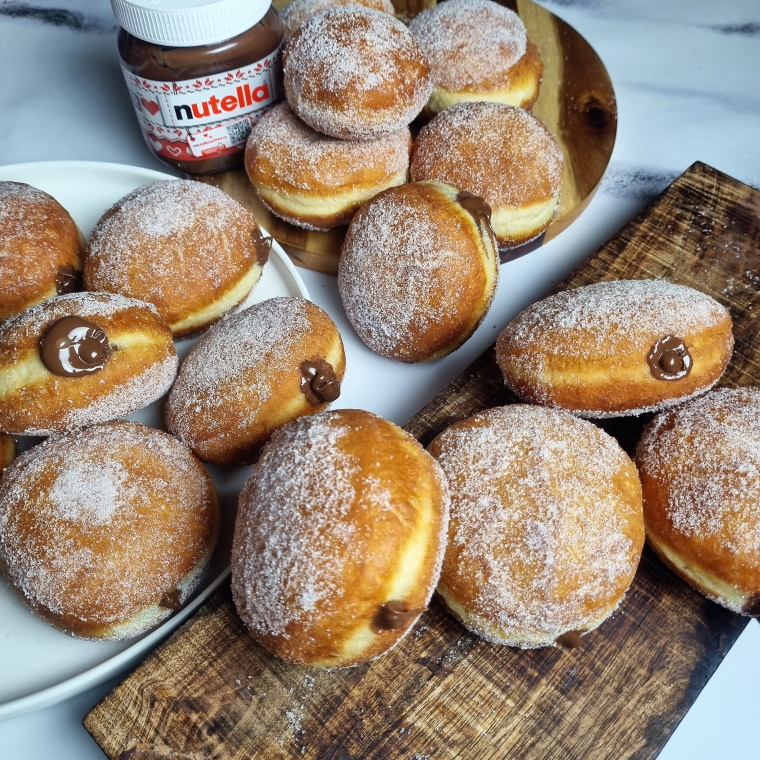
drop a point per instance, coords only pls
(72, 346)
(318, 382)
(669, 359)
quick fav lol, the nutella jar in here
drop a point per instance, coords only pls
(200, 73)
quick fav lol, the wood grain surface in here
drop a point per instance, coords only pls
(211, 692)
(576, 102)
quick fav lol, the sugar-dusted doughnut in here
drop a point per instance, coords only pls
(315, 181)
(297, 11)
(105, 531)
(79, 359)
(339, 539)
(184, 246)
(418, 270)
(504, 154)
(354, 72)
(41, 248)
(700, 473)
(616, 348)
(546, 527)
(478, 50)
(250, 374)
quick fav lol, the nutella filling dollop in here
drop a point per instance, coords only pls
(66, 280)
(669, 359)
(569, 640)
(72, 346)
(752, 607)
(263, 247)
(318, 381)
(475, 205)
(392, 615)
(172, 600)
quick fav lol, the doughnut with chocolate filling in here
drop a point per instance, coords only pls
(616, 348)
(546, 526)
(418, 270)
(250, 374)
(79, 359)
(315, 181)
(700, 472)
(186, 247)
(504, 154)
(105, 531)
(478, 50)
(41, 248)
(339, 538)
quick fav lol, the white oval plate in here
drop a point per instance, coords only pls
(40, 665)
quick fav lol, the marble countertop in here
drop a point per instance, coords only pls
(685, 77)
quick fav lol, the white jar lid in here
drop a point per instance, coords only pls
(188, 23)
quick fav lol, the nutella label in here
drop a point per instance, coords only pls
(196, 119)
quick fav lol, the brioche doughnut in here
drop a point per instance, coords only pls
(297, 11)
(478, 50)
(546, 527)
(355, 73)
(339, 539)
(186, 247)
(250, 374)
(41, 248)
(7, 451)
(418, 270)
(700, 473)
(105, 531)
(315, 181)
(79, 359)
(504, 154)
(616, 348)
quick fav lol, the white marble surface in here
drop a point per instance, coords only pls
(685, 74)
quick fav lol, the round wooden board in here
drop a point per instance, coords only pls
(576, 101)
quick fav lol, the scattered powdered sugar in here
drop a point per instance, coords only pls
(539, 521)
(297, 11)
(461, 52)
(707, 453)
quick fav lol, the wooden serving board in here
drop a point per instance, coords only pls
(211, 692)
(576, 102)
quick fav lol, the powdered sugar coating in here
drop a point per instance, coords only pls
(546, 528)
(297, 11)
(469, 42)
(96, 525)
(355, 72)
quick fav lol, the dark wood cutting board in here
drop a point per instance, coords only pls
(211, 692)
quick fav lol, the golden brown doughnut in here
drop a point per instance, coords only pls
(186, 247)
(297, 11)
(616, 348)
(105, 531)
(41, 248)
(700, 473)
(79, 359)
(478, 50)
(355, 73)
(339, 539)
(418, 270)
(546, 527)
(250, 374)
(503, 154)
(315, 181)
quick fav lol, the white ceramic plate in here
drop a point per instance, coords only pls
(38, 664)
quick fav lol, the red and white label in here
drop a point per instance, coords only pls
(199, 118)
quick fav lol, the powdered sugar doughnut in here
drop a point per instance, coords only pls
(186, 247)
(41, 248)
(339, 539)
(418, 270)
(546, 527)
(616, 348)
(478, 50)
(297, 11)
(700, 472)
(80, 359)
(505, 155)
(105, 531)
(250, 374)
(315, 181)
(355, 73)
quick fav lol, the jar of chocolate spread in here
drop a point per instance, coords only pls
(200, 74)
